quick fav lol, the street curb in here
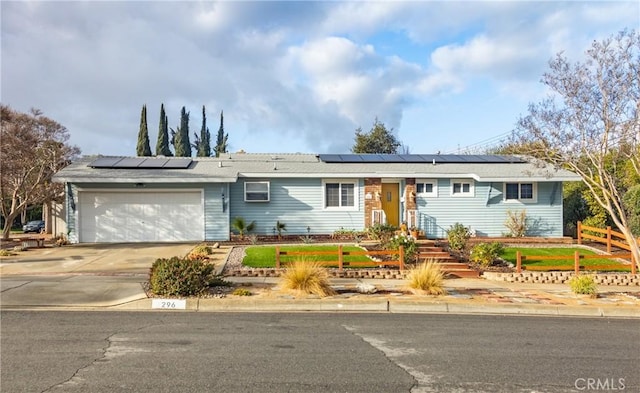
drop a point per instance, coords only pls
(384, 305)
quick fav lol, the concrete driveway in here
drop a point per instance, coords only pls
(87, 275)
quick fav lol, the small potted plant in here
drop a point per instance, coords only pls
(414, 232)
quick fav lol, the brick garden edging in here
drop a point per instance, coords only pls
(351, 273)
(562, 278)
(524, 277)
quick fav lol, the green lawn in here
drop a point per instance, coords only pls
(510, 255)
(265, 256)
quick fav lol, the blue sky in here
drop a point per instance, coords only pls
(293, 76)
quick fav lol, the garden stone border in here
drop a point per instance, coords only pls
(562, 278)
(334, 273)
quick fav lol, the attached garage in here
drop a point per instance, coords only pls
(140, 216)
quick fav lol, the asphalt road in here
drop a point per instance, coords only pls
(266, 352)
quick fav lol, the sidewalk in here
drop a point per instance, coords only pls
(69, 284)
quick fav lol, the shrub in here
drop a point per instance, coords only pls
(241, 292)
(584, 285)
(427, 277)
(201, 251)
(241, 226)
(408, 242)
(307, 277)
(486, 253)
(381, 232)
(179, 277)
(6, 253)
(458, 236)
(280, 226)
(348, 234)
(516, 223)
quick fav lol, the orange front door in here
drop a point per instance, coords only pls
(391, 202)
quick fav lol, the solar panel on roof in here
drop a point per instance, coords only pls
(153, 163)
(104, 162)
(140, 163)
(130, 162)
(178, 163)
(418, 158)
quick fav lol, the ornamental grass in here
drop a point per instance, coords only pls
(427, 278)
(307, 277)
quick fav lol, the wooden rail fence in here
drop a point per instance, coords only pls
(340, 253)
(576, 265)
(612, 238)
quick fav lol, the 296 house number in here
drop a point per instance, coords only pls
(169, 304)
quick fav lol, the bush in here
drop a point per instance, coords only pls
(6, 253)
(180, 277)
(307, 277)
(408, 242)
(486, 253)
(516, 223)
(458, 236)
(381, 232)
(428, 278)
(201, 251)
(241, 292)
(584, 285)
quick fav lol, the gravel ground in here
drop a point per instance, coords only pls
(234, 261)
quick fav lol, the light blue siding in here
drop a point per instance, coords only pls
(486, 211)
(298, 204)
(216, 212)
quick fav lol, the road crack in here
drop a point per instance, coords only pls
(422, 382)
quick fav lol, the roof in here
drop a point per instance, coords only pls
(230, 167)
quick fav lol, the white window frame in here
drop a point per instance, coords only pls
(356, 193)
(533, 199)
(424, 182)
(462, 182)
(267, 192)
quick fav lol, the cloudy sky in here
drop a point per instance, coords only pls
(292, 76)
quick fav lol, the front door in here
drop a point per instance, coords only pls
(391, 202)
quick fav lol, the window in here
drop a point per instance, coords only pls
(461, 188)
(427, 188)
(340, 194)
(524, 192)
(257, 191)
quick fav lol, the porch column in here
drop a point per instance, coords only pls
(372, 198)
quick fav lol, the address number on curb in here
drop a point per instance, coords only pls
(169, 304)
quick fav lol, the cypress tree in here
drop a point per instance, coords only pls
(204, 142)
(143, 148)
(181, 142)
(162, 147)
(221, 139)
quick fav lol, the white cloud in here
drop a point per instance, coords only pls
(300, 76)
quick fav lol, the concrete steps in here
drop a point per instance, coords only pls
(428, 250)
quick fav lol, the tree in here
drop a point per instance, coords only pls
(221, 139)
(33, 148)
(378, 140)
(203, 143)
(143, 148)
(181, 143)
(162, 146)
(590, 124)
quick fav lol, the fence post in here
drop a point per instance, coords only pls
(340, 258)
(401, 258)
(579, 232)
(277, 257)
(609, 240)
(576, 262)
(518, 262)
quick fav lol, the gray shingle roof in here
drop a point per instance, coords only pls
(229, 167)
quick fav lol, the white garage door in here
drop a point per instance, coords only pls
(154, 216)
